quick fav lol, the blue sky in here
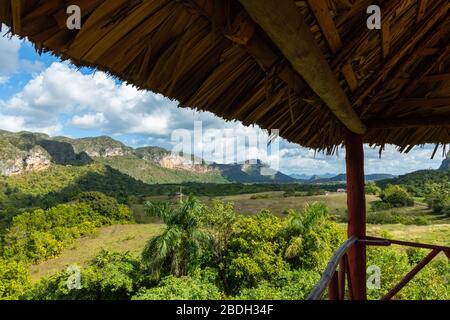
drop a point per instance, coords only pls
(44, 94)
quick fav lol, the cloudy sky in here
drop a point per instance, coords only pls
(43, 94)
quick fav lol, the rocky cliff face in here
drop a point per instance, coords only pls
(445, 164)
(36, 159)
(105, 152)
(173, 161)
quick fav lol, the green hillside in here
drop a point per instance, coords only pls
(152, 173)
(416, 182)
(59, 183)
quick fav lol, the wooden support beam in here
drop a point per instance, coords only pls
(285, 25)
(242, 32)
(326, 22)
(356, 203)
(421, 10)
(331, 34)
(434, 122)
(436, 77)
(333, 287)
(16, 8)
(428, 52)
(423, 102)
(386, 38)
(350, 76)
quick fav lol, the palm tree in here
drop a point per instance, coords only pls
(311, 237)
(179, 248)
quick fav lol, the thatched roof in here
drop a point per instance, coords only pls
(212, 55)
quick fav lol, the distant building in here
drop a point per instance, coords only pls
(341, 190)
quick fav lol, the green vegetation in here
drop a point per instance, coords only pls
(14, 278)
(151, 173)
(417, 183)
(275, 248)
(179, 248)
(373, 189)
(117, 238)
(42, 234)
(258, 257)
(59, 184)
(396, 196)
(431, 283)
(438, 198)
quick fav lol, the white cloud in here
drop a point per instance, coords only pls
(89, 121)
(11, 123)
(16, 124)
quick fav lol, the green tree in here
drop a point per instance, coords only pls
(372, 188)
(198, 286)
(254, 252)
(312, 237)
(14, 278)
(178, 250)
(397, 196)
(438, 197)
(109, 276)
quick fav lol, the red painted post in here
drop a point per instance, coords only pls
(356, 204)
(333, 287)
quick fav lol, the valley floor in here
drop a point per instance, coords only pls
(119, 238)
(133, 237)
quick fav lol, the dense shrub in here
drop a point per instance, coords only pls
(316, 192)
(109, 276)
(438, 198)
(372, 188)
(397, 196)
(259, 196)
(291, 285)
(207, 253)
(14, 278)
(430, 283)
(289, 193)
(254, 252)
(195, 287)
(311, 237)
(106, 206)
(41, 234)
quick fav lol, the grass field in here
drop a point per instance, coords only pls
(438, 234)
(277, 204)
(121, 238)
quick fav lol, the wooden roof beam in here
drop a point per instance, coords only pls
(421, 10)
(326, 22)
(285, 25)
(331, 34)
(242, 32)
(436, 77)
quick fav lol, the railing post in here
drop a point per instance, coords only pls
(356, 203)
(333, 287)
(342, 273)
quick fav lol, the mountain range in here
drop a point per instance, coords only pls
(26, 151)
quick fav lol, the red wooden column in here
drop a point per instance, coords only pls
(356, 204)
